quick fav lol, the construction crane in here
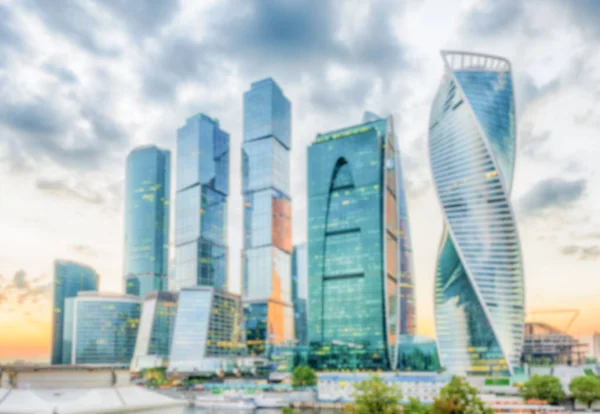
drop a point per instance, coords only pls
(575, 313)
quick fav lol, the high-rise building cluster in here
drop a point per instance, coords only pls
(346, 296)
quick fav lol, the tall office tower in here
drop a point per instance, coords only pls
(102, 328)
(69, 279)
(300, 292)
(408, 324)
(152, 346)
(479, 299)
(208, 331)
(201, 204)
(353, 231)
(147, 193)
(267, 290)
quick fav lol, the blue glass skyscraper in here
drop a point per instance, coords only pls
(201, 204)
(147, 192)
(70, 278)
(300, 292)
(267, 252)
(353, 248)
(479, 299)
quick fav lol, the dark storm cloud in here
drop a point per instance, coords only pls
(69, 19)
(581, 252)
(141, 17)
(493, 17)
(552, 193)
(61, 188)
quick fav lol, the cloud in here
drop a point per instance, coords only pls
(21, 289)
(62, 188)
(581, 252)
(493, 17)
(61, 73)
(532, 145)
(10, 38)
(72, 21)
(584, 13)
(140, 17)
(267, 38)
(84, 249)
(551, 193)
(178, 60)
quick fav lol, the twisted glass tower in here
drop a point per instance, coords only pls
(479, 279)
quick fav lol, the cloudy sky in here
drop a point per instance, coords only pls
(84, 82)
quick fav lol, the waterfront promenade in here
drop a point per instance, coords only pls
(78, 389)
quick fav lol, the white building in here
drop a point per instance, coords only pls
(423, 386)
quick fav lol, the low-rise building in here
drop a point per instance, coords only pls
(207, 336)
(156, 331)
(339, 387)
(100, 328)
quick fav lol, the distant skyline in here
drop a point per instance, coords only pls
(81, 89)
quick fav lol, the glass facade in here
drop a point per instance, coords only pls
(207, 329)
(104, 328)
(157, 323)
(479, 295)
(353, 252)
(266, 260)
(147, 193)
(418, 353)
(69, 279)
(408, 318)
(300, 293)
(201, 204)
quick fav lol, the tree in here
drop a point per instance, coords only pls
(460, 397)
(303, 376)
(543, 387)
(585, 389)
(415, 406)
(375, 396)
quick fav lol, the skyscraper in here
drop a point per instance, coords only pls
(408, 323)
(157, 322)
(102, 328)
(353, 231)
(479, 299)
(300, 293)
(147, 193)
(267, 252)
(201, 204)
(70, 278)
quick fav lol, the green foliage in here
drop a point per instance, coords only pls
(460, 397)
(374, 396)
(288, 410)
(585, 389)
(303, 376)
(415, 406)
(543, 387)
